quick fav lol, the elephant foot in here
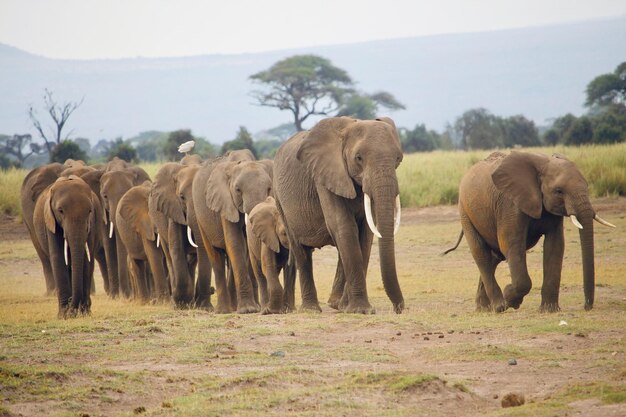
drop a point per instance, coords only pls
(222, 309)
(272, 310)
(481, 308)
(333, 303)
(549, 308)
(311, 306)
(398, 307)
(248, 308)
(362, 307)
(513, 297)
(203, 303)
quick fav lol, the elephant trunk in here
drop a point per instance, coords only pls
(76, 244)
(584, 213)
(384, 194)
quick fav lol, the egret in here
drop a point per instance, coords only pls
(187, 146)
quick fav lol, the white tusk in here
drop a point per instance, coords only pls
(602, 221)
(247, 218)
(575, 221)
(111, 230)
(65, 251)
(368, 215)
(398, 215)
(158, 239)
(189, 238)
(87, 251)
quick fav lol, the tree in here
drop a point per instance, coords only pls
(419, 139)
(560, 128)
(608, 89)
(520, 131)
(365, 106)
(18, 148)
(122, 150)
(66, 150)
(479, 129)
(580, 133)
(174, 140)
(609, 126)
(59, 113)
(305, 85)
(243, 140)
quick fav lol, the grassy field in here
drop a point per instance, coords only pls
(429, 179)
(439, 358)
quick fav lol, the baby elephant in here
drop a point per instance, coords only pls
(268, 248)
(508, 202)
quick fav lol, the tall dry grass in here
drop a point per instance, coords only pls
(428, 179)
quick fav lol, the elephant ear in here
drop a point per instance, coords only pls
(517, 177)
(263, 224)
(48, 215)
(44, 176)
(163, 193)
(134, 210)
(321, 152)
(140, 175)
(218, 196)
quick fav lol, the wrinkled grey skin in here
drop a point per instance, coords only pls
(507, 203)
(223, 190)
(68, 210)
(320, 177)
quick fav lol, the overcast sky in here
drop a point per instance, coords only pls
(86, 29)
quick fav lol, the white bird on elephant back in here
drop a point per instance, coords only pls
(187, 146)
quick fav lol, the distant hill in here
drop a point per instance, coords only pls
(540, 72)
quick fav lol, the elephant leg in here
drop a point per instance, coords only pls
(236, 249)
(110, 251)
(104, 271)
(122, 266)
(270, 271)
(85, 305)
(520, 280)
(230, 284)
(334, 301)
(304, 264)
(255, 283)
(218, 263)
(289, 279)
(137, 273)
(160, 287)
(257, 273)
(484, 260)
(202, 294)
(482, 300)
(553, 250)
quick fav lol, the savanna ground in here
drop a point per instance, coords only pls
(439, 358)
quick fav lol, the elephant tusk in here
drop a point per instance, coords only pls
(575, 221)
(158, 239)
(368, 215)
(87, 252)
(189, 238)
(602, 221)
(111, 230)
(65, 251)
(247, 218)
(398, 215)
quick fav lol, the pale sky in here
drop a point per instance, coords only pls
(85, 29)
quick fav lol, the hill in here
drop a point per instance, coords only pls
(539, 71)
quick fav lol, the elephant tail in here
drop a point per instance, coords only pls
(455, 246)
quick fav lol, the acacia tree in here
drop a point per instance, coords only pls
(365, 106)
(59, 113)
(608, 89)
(17, 145)
(305, 85)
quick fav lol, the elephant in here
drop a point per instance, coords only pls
(146, 262)
(224, 190)
(171, 207)
(268, 248)
(336, 185)
(506, 203)
(34, 184)
(65, 221)
(114, 182)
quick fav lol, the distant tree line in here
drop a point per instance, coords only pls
(306, 86)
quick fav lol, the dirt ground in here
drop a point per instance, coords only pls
(438, 358)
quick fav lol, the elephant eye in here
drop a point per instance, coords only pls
(358, 157)
(61, 210)
(238, 190)
(558, 191)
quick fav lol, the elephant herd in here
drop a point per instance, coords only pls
(243, 221)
